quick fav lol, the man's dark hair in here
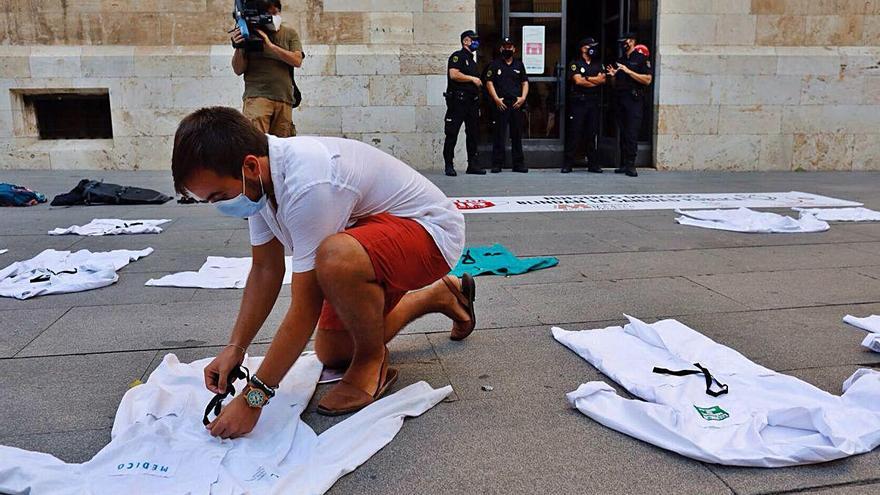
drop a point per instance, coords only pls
(216, 139)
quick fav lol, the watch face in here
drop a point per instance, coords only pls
(255, 398)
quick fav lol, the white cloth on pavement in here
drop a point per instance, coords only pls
(113, 226)
(159, 445)
(58, 272)
(750, 221)
(217, 273)
(870, 324)
(3, 251)
(854, 214)
(323, 185)
(766, 419)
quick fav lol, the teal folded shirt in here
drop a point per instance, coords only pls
(497, 260)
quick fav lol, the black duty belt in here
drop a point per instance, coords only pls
(461, 95)
(722, 388)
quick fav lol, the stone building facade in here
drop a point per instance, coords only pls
(768, 85)
(740, 84)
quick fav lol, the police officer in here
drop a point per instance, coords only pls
(508, 86)
(463, 86)
(586, 77)
(632, 75)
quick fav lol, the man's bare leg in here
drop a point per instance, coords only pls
(335, 347)
(348, 281)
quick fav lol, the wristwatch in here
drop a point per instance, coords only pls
(257, 393)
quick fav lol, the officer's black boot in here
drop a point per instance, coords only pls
(521, 169)
(619, 170)
(566, 169)
(495, 169)
(595, 169)
(631, 172)
(475, 171)
(450, 171)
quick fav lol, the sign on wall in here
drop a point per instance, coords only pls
(611, 202)
(533, 48)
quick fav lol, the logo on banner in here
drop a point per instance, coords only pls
(473, 204)
(534, 48)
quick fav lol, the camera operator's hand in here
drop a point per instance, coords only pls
(237, 38)
(266, 40)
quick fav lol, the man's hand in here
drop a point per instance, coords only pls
(237, 38)
(218, 370)
(500, 104)
(612, 70)
(600, 78)
(477, 81)
(519, 102)
(266, 39)
(235, 420)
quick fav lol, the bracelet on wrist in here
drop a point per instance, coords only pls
(240, 348)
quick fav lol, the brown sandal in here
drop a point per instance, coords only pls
(466, 297)
(345, 398)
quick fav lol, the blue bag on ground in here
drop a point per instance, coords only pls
(12, 195)
(497, 260)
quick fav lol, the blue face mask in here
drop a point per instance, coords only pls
(242, 206)
(475, 44)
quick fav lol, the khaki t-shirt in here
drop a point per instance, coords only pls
(266, 75)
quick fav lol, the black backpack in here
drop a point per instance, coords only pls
(93, 192)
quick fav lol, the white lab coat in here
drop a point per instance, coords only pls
(870, 324)
(57, 272)
(767, 419)
(853, 214)
(159, 445)
(112, 226)
(750, 221)
(217, 273)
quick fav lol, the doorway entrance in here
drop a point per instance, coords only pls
(547, 32)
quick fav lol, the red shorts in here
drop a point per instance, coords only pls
(404, 256)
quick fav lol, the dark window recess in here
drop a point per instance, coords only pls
(72, 116)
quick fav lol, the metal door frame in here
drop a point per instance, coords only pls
(545, 144)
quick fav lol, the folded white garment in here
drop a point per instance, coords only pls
(3, 251)
(855, 214)
(217, 273)
(57, 272)
(870, 324)
(746, 220)
(764, 419)
(113, 226)
(159, 445)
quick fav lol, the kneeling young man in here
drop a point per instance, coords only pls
(364, 228)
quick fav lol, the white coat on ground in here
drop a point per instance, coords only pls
(58, 272)
(159, 446)
(112, 226)
(870, 324)
(750, 221)
(217, 273)
(766, 419)
(856, 214)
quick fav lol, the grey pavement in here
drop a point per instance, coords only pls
(66, 360)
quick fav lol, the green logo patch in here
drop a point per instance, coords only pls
(713, 413)
(455, 58)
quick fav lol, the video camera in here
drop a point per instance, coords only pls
(249, 16)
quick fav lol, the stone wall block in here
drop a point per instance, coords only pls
(687, 119)
(866, 152)
(750, 119)
(776, 152)
(380, 119)
(334, 91)
(193, 61)
(440, 27)
(56, 61)
(834, 30)
(398, 90)
(391, 27)
(688, 29)
(684, 89)
(367, 59)
(823, 151)
(756, 90)
(824, 90)
(778, 30)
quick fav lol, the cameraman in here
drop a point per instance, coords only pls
(268, 75)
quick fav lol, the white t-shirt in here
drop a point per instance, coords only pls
(324, 185)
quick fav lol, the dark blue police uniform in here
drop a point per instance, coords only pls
(508, 79)
(629, 97)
